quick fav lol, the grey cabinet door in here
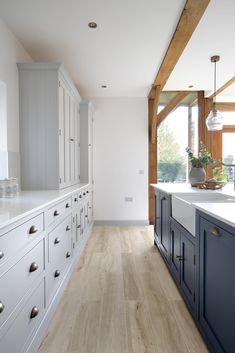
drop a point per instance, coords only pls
(175, 251)
(157, 213)
(165, 226)
(188, 270)
(217, 285)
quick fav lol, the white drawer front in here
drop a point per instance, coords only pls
(56, 212)
(19, 237)
(18, 280)
(60, 241)
(23, 326)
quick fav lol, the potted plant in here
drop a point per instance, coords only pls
(197, 172)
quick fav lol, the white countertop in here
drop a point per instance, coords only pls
(222, 211)
(27, 202)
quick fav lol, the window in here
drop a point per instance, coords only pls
(228, 143)
(172, 141)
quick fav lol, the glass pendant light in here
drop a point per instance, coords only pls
(214, 120)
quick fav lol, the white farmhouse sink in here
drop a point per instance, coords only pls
(183, 206)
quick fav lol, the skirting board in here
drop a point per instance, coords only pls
(138, 222)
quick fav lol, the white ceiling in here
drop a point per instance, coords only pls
(124, 52)
(215, 35)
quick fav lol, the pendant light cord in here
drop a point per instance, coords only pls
(215, 84)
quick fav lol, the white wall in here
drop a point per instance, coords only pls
(120, 152)
(11, 53)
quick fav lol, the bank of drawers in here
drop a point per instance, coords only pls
(25, 323)
(59, 254)
(16, 239)
(57, 212)
(15, 283)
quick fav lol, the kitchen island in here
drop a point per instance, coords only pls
(195, 233)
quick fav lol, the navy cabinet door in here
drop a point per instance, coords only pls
(157, 222)
(217, 285)
(165, 226)
(175, 251)
(188, 272)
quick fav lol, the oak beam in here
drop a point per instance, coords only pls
(152, 162)
(225, 107)
(222, 88)
(155, 112)
(174, 102)
(189, 19)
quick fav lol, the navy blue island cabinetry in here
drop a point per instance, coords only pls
(203, 268)
(217, 282)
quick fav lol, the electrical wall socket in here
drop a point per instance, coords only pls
(128, 199)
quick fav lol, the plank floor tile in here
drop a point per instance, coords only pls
(122, 299)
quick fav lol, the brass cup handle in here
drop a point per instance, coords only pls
(57, 273)
(56, 213)
(78, 226)
(2, 306)
(33, 230)
(34, 312)
(67, 205)
(68, 228)
(1, 254)
(57, 240)
(33, 267)
(68, 255)
(215, 231)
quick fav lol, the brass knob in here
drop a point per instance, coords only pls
(34, 312)
(84, 194)
(57, 273)
(87, 192)
(2, 306)
(33, 230)
(68, 254)
(215, 232)
(80, 196)
(68, 228)
(56, 213)
(33, 267)
(57, 240)
(67, 205)
(75, 199)
(1, 254)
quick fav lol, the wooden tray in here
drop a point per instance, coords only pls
(210, 185)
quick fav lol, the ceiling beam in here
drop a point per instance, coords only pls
(155, 111)
(222, 88)
(189, 19)
(174, 102)
(225, 107)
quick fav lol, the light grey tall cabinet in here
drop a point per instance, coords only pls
(86, 123)
(49, 127)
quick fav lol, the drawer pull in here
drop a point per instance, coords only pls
(75, 199)
(56, 213)
(67, 205)
(179, 257)
(57, 273)
(78, 226)
(86, 216)
(1, 254)
(33, 230)
(87, 192)
(33, 267)
(84, 194)
(34, 312)
(57, 240)
(2, 306)
(80, 196)
(68, 228)
(215, 232)
(90, 207)
(68, 254)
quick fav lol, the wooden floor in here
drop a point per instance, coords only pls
(121, 299)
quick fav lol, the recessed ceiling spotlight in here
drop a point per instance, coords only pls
(190, 86)
(92, 24)
(104, 86)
